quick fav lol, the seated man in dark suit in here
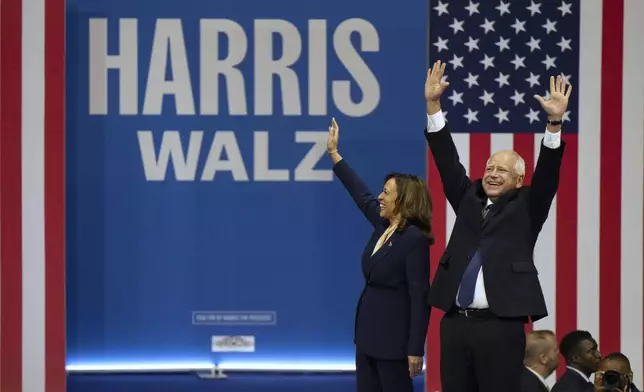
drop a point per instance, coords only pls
(619, 363)
(579, 349)
(541, 359)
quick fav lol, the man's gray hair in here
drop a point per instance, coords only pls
(519, 164)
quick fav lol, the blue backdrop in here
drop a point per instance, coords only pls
(196, 179)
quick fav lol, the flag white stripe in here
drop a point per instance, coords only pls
(462, 143)
(501, 141)
(632, 187)
(545, 259)
(33, 196)
(588, 88)
(545, 255)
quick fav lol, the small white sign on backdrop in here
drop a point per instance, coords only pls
(241, 344)
(228, 344)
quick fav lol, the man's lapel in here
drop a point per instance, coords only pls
(497, 209)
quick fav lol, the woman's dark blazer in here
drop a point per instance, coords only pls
(392, 313)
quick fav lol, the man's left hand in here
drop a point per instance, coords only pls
(415, 366)
(557, 104)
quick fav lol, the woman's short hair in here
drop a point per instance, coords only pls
(413, 203)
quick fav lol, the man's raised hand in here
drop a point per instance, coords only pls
(434, 85)
(557, 104)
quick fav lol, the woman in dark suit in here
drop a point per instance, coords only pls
(392, 313)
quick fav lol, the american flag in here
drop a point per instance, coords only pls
(589, 253)
(32, 169)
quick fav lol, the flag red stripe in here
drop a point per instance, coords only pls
(479, 153)
(566, 243)
(439, 222)
(610, 176)
(55, 195)
(10, 196)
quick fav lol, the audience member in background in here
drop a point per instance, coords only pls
(392, 313)
(541, 359)
(579, 349)
(615, 374)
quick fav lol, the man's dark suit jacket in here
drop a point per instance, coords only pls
(508, 234)
(392, 314)
(531, 383)
(572, 381)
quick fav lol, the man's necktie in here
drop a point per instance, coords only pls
(486, 209)
(468, 282)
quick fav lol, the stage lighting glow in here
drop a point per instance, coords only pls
(107, 367)
(288, 366)
(242, 366)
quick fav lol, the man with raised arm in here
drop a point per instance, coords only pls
(486, 280)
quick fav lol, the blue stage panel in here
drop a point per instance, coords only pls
(196, 173)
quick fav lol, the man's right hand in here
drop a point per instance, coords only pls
(434, 87)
